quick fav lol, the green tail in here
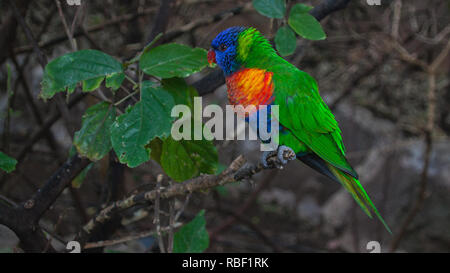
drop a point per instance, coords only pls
(355, 188)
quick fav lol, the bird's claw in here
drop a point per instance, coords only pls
(265, 156)
(284, 155)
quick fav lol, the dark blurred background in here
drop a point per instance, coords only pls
(370, 71)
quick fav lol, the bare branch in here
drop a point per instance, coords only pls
(66, 26)
(129, 237)
(328, 6)
(156, 219)
(99, 27)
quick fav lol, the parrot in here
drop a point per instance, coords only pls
(256, 75)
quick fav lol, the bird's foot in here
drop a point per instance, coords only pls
(265, 156)
(284, 154)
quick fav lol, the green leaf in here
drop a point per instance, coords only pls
(192, 237)
(270, 8)
(184, 159)
(301, 8)
(147, 119)
(7, 163)
(180, 91)
(156, 149)
(176, 162)
(79, 179)
(114, 81)
(285, 41)
(93, 139)
(92, 84)
(85, 65)
(173, 60)
(304, 24)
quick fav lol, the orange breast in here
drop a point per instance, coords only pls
(250, 86)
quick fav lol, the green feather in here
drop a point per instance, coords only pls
(311, 127)
(302, 110)
(354, 187)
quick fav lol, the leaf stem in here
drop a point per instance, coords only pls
(131, 80)
(146, 48)
(126, 97)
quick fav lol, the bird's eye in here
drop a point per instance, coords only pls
(222, 47)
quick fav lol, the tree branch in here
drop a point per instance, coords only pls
(162, 19)
(23, 219)
(328, 6)
(99, 27)
(29, 34)
(47, 195)
(237, 171)
(130, 237)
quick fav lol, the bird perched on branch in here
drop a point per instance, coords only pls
(256, 75)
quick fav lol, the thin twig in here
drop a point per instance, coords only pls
(396, 19)
(96, 28)
(421, 195)
(129, 237)
(171, 228)
(66, 27)
(258, 231)
(29, 34)
(181, 210)
(431, 71)
(40, 132)
(131, 95)
(156, 219)
(242, 209)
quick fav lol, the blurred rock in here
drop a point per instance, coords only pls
(8, 239)
(283, 198)
(309, 210)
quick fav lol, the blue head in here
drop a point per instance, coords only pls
(224, 50)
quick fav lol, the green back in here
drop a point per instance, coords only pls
(305, 114)
(302, 110)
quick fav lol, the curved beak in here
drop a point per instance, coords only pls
(211, 57)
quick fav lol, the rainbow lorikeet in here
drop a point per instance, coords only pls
(256, 75)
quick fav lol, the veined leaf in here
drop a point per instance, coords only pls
(180, 91)
(114, 81)
(7, 163)
(87, 66)
(173, 60)
(147, 119)
(184, 159)
(93, 139)
(92, 84)
(285, 41)
(192, 237)
(270, 8)
(301, 8)
(304, 24)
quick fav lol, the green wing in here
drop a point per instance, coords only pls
(303, 112)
